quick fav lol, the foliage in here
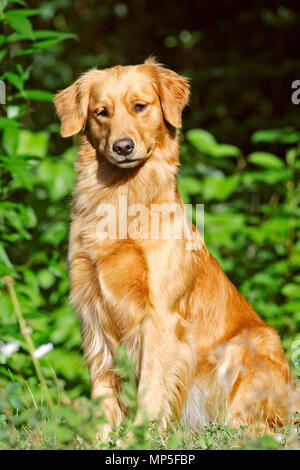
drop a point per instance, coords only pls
(34, 208)
(251, 208)
(250, 189)
(26, 423)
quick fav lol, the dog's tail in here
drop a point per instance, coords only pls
(297, 406)
(294, 396)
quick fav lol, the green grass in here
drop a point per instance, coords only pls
(74, 426)
(29, 420)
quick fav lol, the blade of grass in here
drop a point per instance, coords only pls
(25, 331)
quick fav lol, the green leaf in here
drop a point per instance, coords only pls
(25, 52)
(23, 11)
(50, 34)
(22, 175)
(202, 140)
(55, 233)
(19, 23)
(4, 258)
(293, 306)
(274, 230)
(3, 54)
(287, 135)
(10, 136)
(268, 176)
(219, 188)
(34, 144)
(40, 34)
(205, 142)
(52, 40)
(18, 167)
(66, 363)
(46, 278)
(266, 159)
(58, 176)
(15, 80)
(226, 150)
(2, 39)
(291, 290)
(189, 185)
(38, 95)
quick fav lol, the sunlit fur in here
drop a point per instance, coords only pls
(193, 337)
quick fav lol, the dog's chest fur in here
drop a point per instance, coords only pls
(130, 273)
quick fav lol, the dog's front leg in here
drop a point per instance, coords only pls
(86, 297)
(104, 382)
(166, 370)
(105, 386)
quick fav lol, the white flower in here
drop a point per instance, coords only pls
(42, 350)
(279, 438)
(8, 349)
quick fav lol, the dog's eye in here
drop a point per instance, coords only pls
(102, 112)
(138, 107)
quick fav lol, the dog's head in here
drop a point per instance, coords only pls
(123, 110)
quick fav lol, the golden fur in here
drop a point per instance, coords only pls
(195, 340)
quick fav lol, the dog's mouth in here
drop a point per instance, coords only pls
(131, 162)
(128, 162)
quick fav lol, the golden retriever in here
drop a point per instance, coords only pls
(201, 352)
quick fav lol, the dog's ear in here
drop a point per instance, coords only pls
(173, 92)
(72, 105)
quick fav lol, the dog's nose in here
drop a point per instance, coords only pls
(123, 146)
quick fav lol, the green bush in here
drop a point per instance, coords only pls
(251, 216)
(34, 212)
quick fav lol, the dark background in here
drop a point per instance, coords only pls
(241, 56)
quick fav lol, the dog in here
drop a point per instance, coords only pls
(201, 352)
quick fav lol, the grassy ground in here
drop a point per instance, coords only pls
(63, 429)
(30, 420)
